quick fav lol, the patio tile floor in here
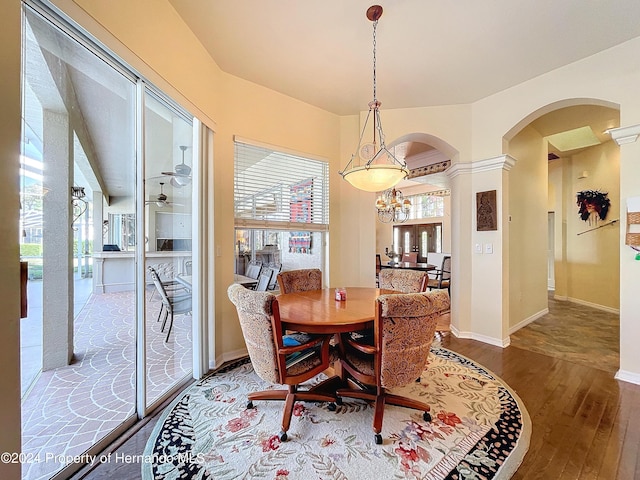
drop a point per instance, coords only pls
(69, 409)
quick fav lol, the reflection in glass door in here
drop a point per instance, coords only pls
(88, 223)
(168, 154)
(78, 165)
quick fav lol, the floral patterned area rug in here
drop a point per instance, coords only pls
(480, 430)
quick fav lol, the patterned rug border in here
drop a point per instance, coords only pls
(505, 471)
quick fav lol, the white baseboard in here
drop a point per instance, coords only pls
(228, 357)
(628, 377)
(527, 321)
(481, 338)
(604, 308)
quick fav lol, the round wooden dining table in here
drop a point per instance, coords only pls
(318, 311)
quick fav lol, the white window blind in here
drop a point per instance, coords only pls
(279, 190)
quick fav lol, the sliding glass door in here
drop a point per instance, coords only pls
(168, 152)
(106, 175)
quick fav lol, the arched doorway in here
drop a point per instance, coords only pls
(563, 150)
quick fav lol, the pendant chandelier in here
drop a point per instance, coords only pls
(373, 168)
(393, 207)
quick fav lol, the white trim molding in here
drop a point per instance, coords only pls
(527, 321)
(482, 338)
(630, 377)
(502, 162)
(624, 135)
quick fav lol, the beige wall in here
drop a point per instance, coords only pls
(528, 227)
(591, 270)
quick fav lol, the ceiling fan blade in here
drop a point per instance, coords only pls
(176, 174)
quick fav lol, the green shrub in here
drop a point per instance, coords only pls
(30, 250)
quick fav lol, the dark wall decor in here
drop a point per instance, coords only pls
(486, 211)
(592, 201)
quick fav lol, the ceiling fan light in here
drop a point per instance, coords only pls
(181, 181)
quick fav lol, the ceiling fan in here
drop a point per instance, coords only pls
(161, 200)
(182, 174)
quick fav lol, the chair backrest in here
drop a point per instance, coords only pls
(410, 257)
(188, 264)
(406, 326)
(175, 304)
(264, 280)
(300, 280)
(378, 263)
(275, 269)
(254, 312)
(253, 270)
(159, 286)
(402, 280)
(446, 268)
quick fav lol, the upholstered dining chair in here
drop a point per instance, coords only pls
(442, 277)
(404, 329)
(173, 302)
(300, 280)
(274, 362)
(410, 257)
(402, 280)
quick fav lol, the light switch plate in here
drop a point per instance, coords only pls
(488, 248)
(478, 248)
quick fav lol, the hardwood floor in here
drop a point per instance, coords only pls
(585, 423)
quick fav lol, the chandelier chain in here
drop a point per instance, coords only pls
(375, 24)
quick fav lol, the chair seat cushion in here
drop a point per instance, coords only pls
(311, 362)
(362, 362)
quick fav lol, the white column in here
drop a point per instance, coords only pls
(480, 286)
(626, 138)
(57, 275)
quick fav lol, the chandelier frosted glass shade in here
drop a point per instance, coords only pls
(375, 178)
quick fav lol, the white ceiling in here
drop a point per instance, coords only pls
(428, 52)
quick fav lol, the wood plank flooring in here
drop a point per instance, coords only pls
(586, 424)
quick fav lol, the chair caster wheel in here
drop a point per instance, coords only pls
(249, 404)
(426, 417)
(283, 436)
(378, 438)
(332, 407)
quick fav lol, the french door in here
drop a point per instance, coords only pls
(420, 239)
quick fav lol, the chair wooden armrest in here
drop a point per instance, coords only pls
(313, 342)
(362, 347)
